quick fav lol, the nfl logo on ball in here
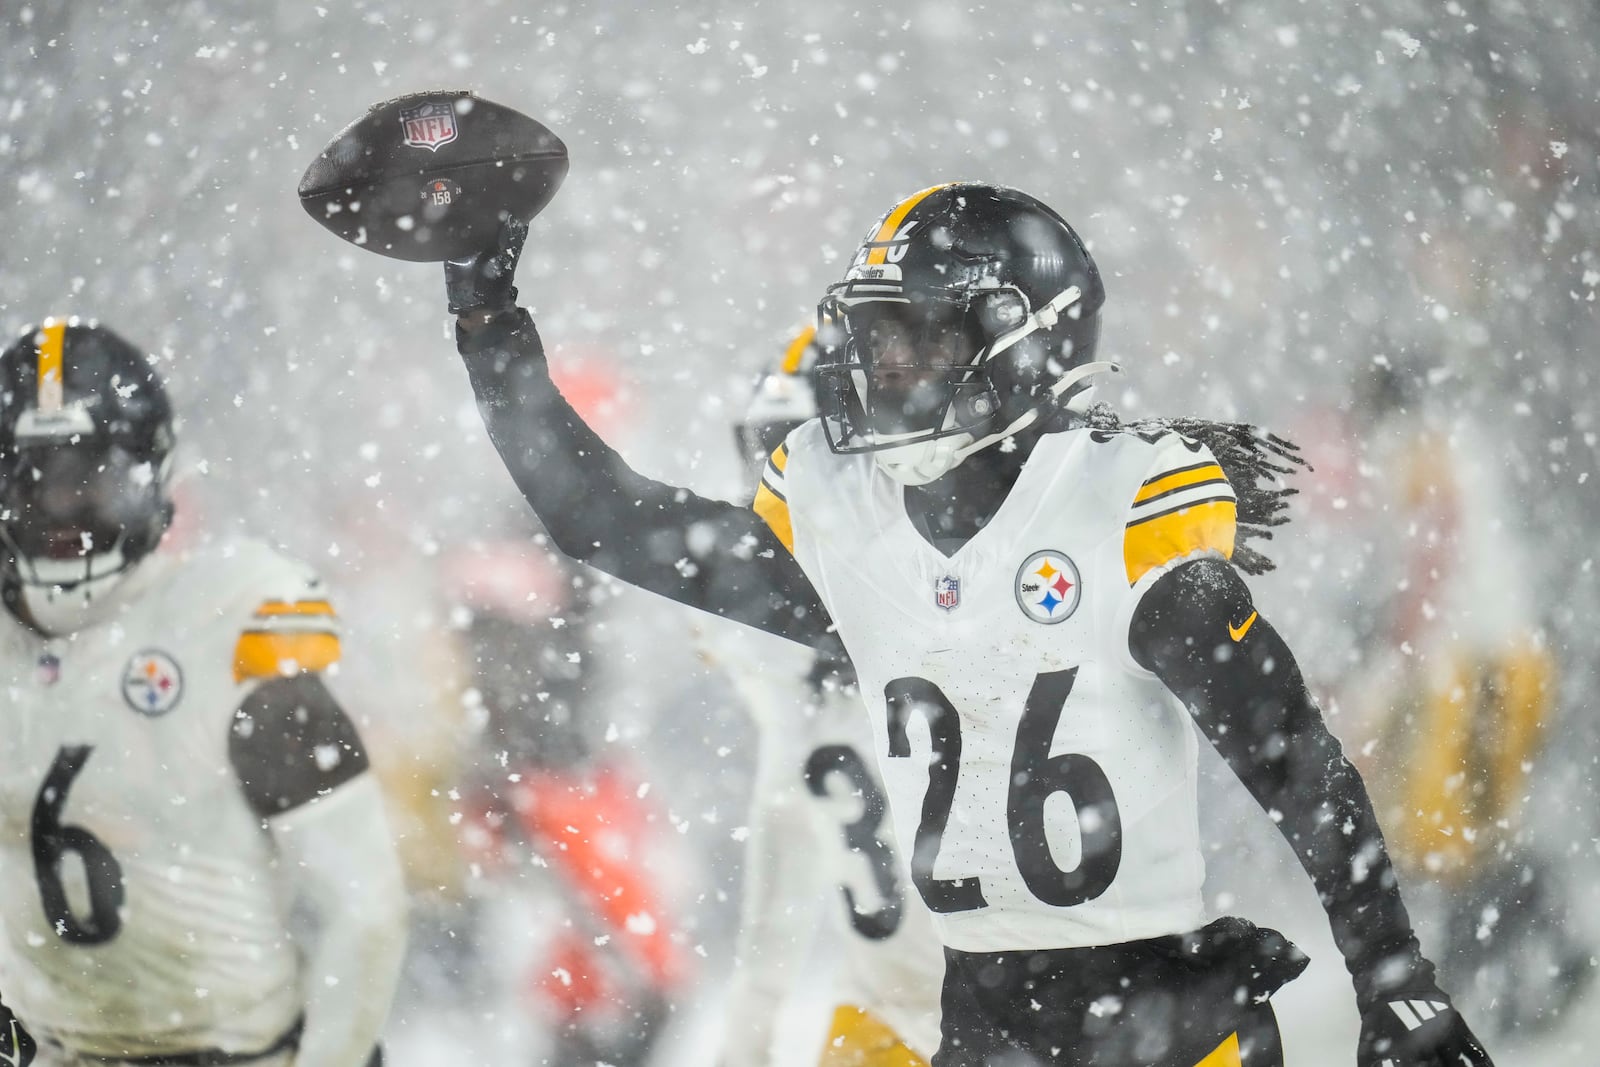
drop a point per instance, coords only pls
(947, 593)
(429, 125)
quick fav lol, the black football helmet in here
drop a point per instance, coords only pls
(968, 311)
(86, 439)
(784, 398)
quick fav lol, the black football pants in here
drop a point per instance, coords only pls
(1164, 1002)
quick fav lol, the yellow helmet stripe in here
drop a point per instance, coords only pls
(52, 342)
(891, 224)
(796, 352)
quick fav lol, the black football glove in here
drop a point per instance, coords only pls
(1417, 1029)
(483, 282)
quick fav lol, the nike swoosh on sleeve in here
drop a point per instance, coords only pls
(1237, 633)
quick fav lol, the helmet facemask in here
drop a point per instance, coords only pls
(74, 516)
(903, 370)
(924, 381)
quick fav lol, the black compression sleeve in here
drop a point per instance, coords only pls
(708, 554)
(1250, 701)
(291, 742)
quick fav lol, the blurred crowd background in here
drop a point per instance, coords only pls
(1373, 228)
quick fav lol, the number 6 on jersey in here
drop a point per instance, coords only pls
(53, 842)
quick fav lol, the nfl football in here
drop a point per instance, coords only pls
(430, 176)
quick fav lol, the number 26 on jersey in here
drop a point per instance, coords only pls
(1035, 777)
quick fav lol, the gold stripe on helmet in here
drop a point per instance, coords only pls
(52, 342)
(886, 232)
(795, 354)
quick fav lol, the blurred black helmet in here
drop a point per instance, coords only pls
(785, 397)
(86, 439)
(963, 316)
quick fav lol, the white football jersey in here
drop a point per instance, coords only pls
(142, 914)
(892, 964)
(817, 753)
(1047, 781)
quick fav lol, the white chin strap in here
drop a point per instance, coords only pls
(1078, 404)
(920, 462)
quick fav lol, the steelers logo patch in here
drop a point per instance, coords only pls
(1048, 588)
(152, 683)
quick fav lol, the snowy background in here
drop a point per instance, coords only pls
(1282, 197)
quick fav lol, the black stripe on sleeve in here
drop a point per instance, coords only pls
(1218, 480)
(1180, 470)
(1183, 507)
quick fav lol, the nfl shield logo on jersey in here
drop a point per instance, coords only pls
(429, 125)
(152, 683)
(1048, 587)
(947, 592)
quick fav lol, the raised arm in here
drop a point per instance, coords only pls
(708, 554)
(1197, 630)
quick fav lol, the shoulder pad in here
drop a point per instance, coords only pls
(1183, 507)
(292, 629)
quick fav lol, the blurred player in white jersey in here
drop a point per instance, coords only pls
(820, 835)
(174, 773)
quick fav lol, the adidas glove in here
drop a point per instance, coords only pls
(1417, 1029)
(482, 282)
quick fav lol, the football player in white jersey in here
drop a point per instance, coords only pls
(820, 835)
(1037, 608)
(174, 773)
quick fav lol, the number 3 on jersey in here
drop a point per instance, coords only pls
(52, 842)
(1035, 777)
(861, 836)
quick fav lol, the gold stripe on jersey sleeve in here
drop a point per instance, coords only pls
(774, 511)
(886, 232)
(795, 354)
(52, 361)
(1179, 479)
(271, 608)
(780, 458)
(1224, 1055)
(1160, 539)
(262, 654)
